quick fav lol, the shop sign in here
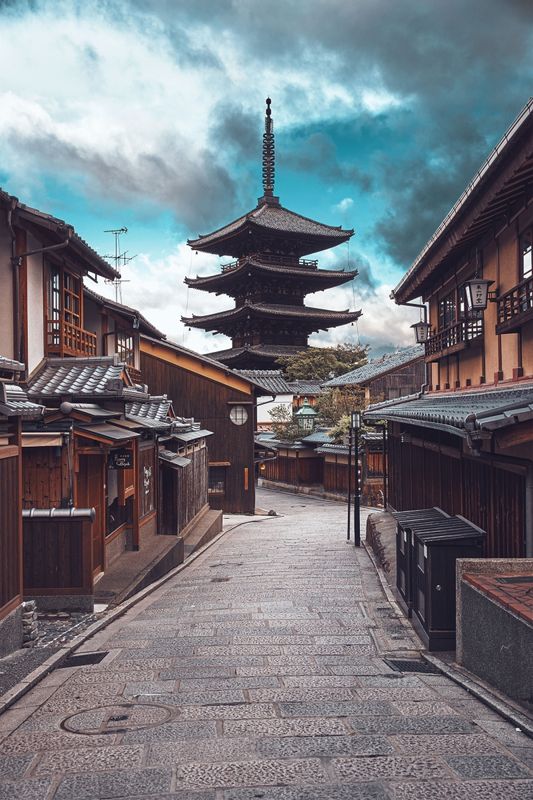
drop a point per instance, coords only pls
(121, 459)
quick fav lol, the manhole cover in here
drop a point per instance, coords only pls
(117, 718)
(411, 665)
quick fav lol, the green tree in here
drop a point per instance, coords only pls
(323, 363)
(284, 425)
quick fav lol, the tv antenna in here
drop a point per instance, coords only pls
(120, 260)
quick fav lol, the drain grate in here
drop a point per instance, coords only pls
(220, 580)
(411, 665)
(83, 659)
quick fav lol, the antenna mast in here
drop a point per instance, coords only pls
(119, 259)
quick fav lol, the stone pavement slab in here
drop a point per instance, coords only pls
(258, 672)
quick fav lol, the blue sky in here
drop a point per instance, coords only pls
(149, 115)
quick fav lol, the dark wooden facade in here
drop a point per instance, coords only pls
(10, 518)
(202, 388)
(183, 492)
(426, 471)
(295, 467)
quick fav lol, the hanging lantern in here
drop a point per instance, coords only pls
(421, 330)
(477, 293)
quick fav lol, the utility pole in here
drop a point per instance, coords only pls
(355, 424)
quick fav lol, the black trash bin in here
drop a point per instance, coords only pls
(434, 552)
(421, 518)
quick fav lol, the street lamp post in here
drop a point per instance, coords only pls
(355, 424)
(349, 484)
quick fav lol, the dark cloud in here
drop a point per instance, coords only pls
(366, 282)
(198, 190)
(317, 154)
(236, 129)
(464, 69)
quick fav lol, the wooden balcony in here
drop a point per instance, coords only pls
(275, 260)
(515, 307)
(454, 338)
(65, 339)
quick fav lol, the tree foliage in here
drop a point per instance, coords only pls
(284, 424)
(335, 403)
(323, 363)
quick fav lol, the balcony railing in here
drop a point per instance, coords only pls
(453, 338)
(65, 339)
(267, 258)
(515, 307)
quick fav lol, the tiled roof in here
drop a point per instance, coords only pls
(319, 436)
(333, 449)
(306, 387)
(377, 367)
(276, 310)
(81, 377)
(271, 379)
(267, 351)
(127, 311)
(274, 217)
(462, 412)
(305, 274)
(11, 365)
(17, 404)
(157, 409)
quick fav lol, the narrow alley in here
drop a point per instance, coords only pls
(258, 672)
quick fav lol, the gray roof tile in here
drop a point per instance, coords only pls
(11, 365)
(377, 367)
(271, 379)
(17, 404)
(460, 412)
(78, 377)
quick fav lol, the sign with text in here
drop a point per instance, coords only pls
(120, 459)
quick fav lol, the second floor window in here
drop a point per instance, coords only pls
(526, 254)
(447, 311)
(125, 347)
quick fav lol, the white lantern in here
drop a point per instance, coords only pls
(421, 330)
(477, 293)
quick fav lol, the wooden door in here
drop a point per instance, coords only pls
(91, 495)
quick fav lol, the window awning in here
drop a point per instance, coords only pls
(173, 459)
(105, 432)
(42, 440)
(191, 436)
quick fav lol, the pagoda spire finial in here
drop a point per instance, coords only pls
(268, 153)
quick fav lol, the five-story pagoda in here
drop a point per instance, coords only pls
(269, 278)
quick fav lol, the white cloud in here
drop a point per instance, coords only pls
(344, 205)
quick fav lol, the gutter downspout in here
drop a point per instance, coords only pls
(423, 306)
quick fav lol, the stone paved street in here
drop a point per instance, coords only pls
(257, 672)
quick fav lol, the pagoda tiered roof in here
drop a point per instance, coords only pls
(270, 221)
(289, 270)
(310, 318)
(261, 355)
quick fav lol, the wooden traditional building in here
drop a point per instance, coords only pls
(109, 466)
(270, 277)
(14, 407)
(224, 401)
(465, 443)
(385, 378)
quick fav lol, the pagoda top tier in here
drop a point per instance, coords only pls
(269, 227)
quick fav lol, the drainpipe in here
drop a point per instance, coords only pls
(423, 306)
(16, 262)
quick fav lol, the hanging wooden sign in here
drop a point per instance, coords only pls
(120, 459)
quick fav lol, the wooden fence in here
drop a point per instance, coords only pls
(57, 552)
(10, 588)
